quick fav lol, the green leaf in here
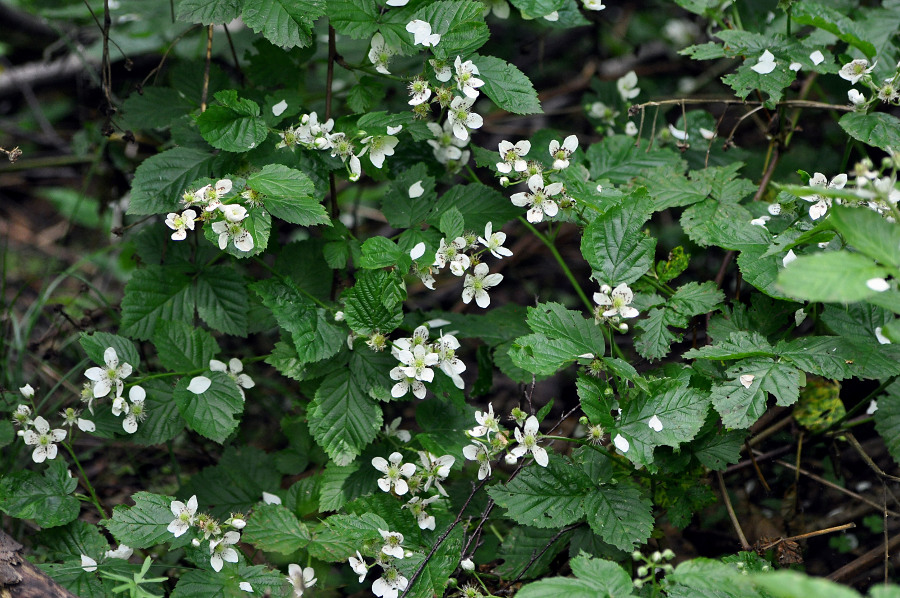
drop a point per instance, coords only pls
(878, 129)
(143, 525)
(547, 497)
(680, 411)
(161, 179)
(521, 546)
(403, 211)
(834, 22)
(446, 423)
(204, 583)
(381, 252)
(155, 108)
(236, 483)
(70, 575)
(618, 159)
(793, 584)
(182, 347)
(343, 418)
(43, 498)
(693, 299)
(596, 578)
(156, 293)
(96, 343)
(760, 268)
(460, 23)
(614, 245)
(222, 299)
(273, 528)
(285, 23)
(479, 204)
(621, 515)
(452, 223)
(72, 540)
(839, 358)
(212, 413)
(724, 224)
(869, 233)
(235, 126)
(538, 8)
(208, 12)
(656, 340)
(738, 345)
(351, 532)
(540, 355)
(289, 194)
(355, 18)
(371, 305)
(742, 399)
(507, 86)
(579, 334)
(834, 276)
(163, 421)
(856, 321)
(433, 578)
(745, 80)
(342, 484)
(702, 576)
(718, 449)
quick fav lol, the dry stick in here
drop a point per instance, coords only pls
(757, 458)
(205, 92)
(887, 554)
(790, 103)
(868, 460)
(807, 535)
(863, 561)
(834, 486)
(234, 57)
(770, 430)
(536, 555)
(730, 138)
(734, 521)
(759, 472)
(768, 174)
(165, 55)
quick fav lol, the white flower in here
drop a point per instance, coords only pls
(855, 70)
(500, 8)
(478, 452)
(494, 242)
(631, 129)
(539, 199)
(765, 64)
(466, 80)
(380, 54)
(467, 565)
(655, 424)
(88, 564)
(233, 212)
(618, 302)
(392, 430)
(449, 363)
(378, 147)
(122, 552)
(461, 117)
(553, 16)
(528, 442)
(822, 204)
(228, 231)
(393, 468)
(180, 223)
(707, 134)
(872, 408)
(621, 443)
(417, 505)
(435, 470)
(222, 550)
(477, 285)
(416, 190)
(512, 156)
(774, 209)
(302, 579)
(358, 564)
(405, 383)
(135, 412)
(487, 423)
(878, 284)
(105, 379)
(234, 371)
(794, 66)
(452, 253)
(627, 86)
(212, 195)
(761, 221)
(199, 384)
(560, 154)
(27, 391)
(397, 2)
(594, 5)
(184, 516)
(880, 337)
(442, 70)
(422, 34)
(390, 584)
(417, 363)
(445, 144)
(790, 257)
(392, 543)
(678, 134)
(747, 380)
(43, 440)
(817, 57)
(856, 98)
(271, 499)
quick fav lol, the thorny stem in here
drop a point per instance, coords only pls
(87, 482)
(560, 261)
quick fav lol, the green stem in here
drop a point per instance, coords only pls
(560, 261)
(87, 482)
(661, 287)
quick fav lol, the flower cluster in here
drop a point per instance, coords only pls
(234, 370)
(391, 582)
(489, 440)
(886, 91)
(222, 537)
(227, 218)
(109, 381)
(614, 305)
(459, 255)
(417, 356)
(542, 198)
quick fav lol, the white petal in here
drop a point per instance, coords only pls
(416, 190)
(655, 423)
(621, 443)
(747, 380)
(817, 57)
(271, 499)
(199, 384)
(790, 257)
(279, 108)
(88, 564)
(878, 284)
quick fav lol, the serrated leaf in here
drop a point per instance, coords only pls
(204, 583)
(161, 179)
(163, 420)
(212, 413)
(343, 418)
(460, 24)
(355, 18)
(522, 544)
(745, 80)
(547, 497)
(738, 345)
(618, 159)
(540, 355)
(507, 86)
(44, 498)
(289, 194)
(656, 340)
(143, 525)
(272, 528)
(839, 358)
(403, 211)
(742, 399)
(579, 334)
(72, 540)
(620, 514)
(614, 245)
(231, 130)
(868, 232)
(182, 347)
(596, 578)
(693, 299)
(834, 22)
(719, 448)
(96, 343)
(834, 276)
(285, 23)
(371, 305)
(433, 578)
(761, 270)
(74, 578)
(208, 12)
(155, 107)
(479, 204)
(793, 584)
(236, 483)
(156, 293)
(724, 224)
(222, 301)
(887, 421)
(452, 223)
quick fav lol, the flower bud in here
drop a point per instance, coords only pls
(467, 565)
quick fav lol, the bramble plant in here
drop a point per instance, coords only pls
(328, 238)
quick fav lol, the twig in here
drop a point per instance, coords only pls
(791, 103)
(234, 57)
(13, 154)
(205, 92)
(536, 555)
(734, 521)
(863, 561)
(807, 535)
(868, 460)
(759, 473)
(165, 55)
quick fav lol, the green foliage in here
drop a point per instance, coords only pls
(44, 498)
